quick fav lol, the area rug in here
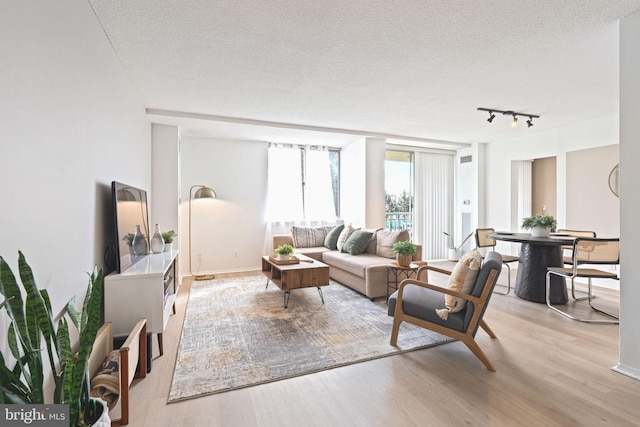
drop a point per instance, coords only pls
(237, 334)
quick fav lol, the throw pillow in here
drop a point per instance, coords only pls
(309, 237)
(344, 235)
(462, 279)
(387, 238)
(331, 241)
(357, 242)
(373, 242)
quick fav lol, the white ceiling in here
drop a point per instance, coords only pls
(327, 71)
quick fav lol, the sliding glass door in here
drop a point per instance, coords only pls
(399, 190)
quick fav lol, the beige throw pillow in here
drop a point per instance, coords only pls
(344, 235)
(462, 279)
(387, 238)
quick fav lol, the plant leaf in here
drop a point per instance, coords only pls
(74, 315)
(14, 305)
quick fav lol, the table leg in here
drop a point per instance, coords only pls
(532, 270)
(287, 294)
(321, 296)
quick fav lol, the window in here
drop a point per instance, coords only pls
(303, 183)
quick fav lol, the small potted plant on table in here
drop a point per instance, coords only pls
(404, 250)
(540, 225)
(284, 252)
(168, 237)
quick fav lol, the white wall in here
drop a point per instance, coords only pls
(71, 124)
(235, 221)
(166, 179)
(629, 196)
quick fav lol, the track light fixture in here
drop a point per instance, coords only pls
(514, 114)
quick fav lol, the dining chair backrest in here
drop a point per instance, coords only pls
(591, 250)
(575, 233)
(482, 239)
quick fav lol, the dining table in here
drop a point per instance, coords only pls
(536, 255)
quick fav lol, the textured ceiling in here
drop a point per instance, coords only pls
(411, 68)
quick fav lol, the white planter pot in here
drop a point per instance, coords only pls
(453, 254)
(540, 232)
(283, 257)
(167, 247)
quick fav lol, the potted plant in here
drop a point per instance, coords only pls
(454, 251)
(168, 237)
(284, 251)
(404, 250)
(31, 329)
(540, 225)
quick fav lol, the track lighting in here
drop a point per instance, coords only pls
(514, 114)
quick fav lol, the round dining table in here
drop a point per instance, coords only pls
(536, 254)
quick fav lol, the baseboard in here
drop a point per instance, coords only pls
(623, 369)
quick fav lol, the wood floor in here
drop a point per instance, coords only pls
(550, 371)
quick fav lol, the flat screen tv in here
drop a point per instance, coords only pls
(131, 224)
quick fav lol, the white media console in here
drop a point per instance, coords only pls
(147, 289)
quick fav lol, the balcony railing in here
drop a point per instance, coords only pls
(399, 221)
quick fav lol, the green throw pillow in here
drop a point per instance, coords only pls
(357, 242)
(331, 241)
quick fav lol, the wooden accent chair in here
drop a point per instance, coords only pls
(484, 241)
(416, 302)
(588, 250)
(132, 352)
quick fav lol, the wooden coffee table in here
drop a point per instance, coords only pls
(306, 274)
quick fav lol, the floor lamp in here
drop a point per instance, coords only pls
(203, 192)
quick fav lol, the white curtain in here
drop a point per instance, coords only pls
(433, 205)
(285, 191)
(318, 192)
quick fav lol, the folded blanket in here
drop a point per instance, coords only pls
(106, 383)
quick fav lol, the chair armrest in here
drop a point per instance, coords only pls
(423, 270)
(471, 298)
(135, 349)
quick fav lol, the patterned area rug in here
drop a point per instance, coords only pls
(237, 334)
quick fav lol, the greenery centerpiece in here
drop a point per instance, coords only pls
(404, 250)
(31, 330)
(540, 225)
(284, 251)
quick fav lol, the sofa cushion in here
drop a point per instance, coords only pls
(354, 264)
(357, 242)
(344, 235)
(331, 240)
(309, 237)
(387, 238)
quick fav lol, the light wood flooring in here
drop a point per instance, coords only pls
(550, 371)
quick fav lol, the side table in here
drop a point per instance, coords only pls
(395, 272)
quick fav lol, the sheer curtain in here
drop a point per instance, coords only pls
(433, 205)
(287, 205)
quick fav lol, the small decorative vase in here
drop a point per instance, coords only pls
(157, 242)
(404, 259)
(539, 232)
(167, 246)
(453, 254)
(139, 243)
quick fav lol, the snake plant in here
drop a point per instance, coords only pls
(31, 330)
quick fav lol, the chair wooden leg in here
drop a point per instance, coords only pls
(487, 329)
(394, 331)
(471, 344)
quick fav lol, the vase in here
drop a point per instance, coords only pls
(539, 232)
(453, 254)
(139, 242)
(167, 246)
(404, 259)
(157, 242)
(104, 420)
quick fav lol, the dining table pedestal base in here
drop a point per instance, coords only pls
(532, 270)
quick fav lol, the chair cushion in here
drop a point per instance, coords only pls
(423, 303)
(387, 238)
(331, 240)
(462, 279)
(357, 242)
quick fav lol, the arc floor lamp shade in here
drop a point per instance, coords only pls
(202, 192)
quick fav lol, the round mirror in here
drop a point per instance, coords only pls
(614, 180)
